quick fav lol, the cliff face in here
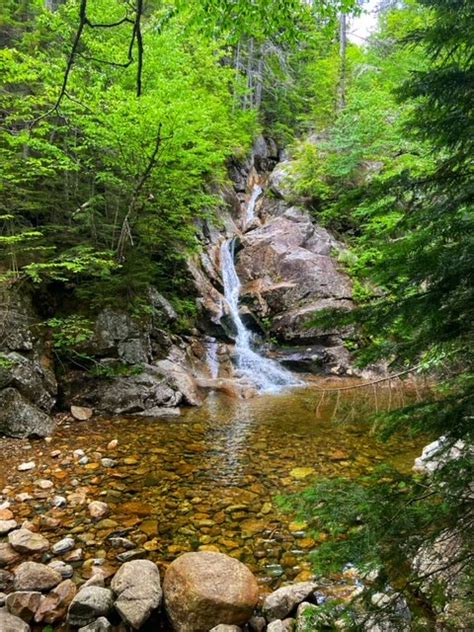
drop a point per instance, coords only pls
(288, 269)
(288, 266)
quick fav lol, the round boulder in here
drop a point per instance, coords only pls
(204, 589)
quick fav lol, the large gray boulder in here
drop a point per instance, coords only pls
(20, 418)
(90, 603)
(138, 591)
(203, 590)
(27, 376)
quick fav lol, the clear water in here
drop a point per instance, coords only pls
(265, 374)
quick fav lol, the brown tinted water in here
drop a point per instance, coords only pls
(207, 479)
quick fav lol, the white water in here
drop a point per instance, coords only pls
(250, 215)
(267, 375)
(212, 359)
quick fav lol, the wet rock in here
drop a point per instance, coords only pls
(35, 576)
(63, 546)
(24, 467)
(257, 624)
(99, 625)
(138, 590)
(283, 601)
(54, 605)
(81, 413)
(44, 483)
(23, 604)
(58, 501)
(112, 444)
(98, 509)
(128, 556)
(7, 525)
(108, 462)
(202, 590)
(6, 581)
(90, 603)
(8, 555)
(182, 381)
(26, 541)
(222, 627)
(65, 570)
(21, 418)
(10, 623)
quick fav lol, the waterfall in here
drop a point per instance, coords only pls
(267, 375)
(250, 215)
(212, 359)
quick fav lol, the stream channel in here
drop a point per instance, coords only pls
(205, 480)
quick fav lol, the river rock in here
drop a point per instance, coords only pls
(25, 467)
(99, 625)
(53, 607)
(65, 570)
(63, 546)
(98, 509)
(287, 625)
(81, 413)
(223, 627)
(6, 581)
(20, 418)
(8, 555)
(23, 604)
(10, 623)
(203, 589)
(7, 525)
(282, 602)
(90, 603)
(26, 541)
(138, 590)
(34, 576)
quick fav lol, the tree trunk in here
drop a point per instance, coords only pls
(341, 97)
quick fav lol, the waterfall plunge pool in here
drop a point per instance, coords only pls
(207, 479)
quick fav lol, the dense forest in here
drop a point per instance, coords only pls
(123, 124)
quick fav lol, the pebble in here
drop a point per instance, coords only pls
(108, 462)
(127, 556)
(55, 453)
(112, 444)
(44, 483)
(98, 509)
(78, 453)
(84, 460)
(63, 546)
(25, 541)
(25, 467)
(58, 501)
(65, 570)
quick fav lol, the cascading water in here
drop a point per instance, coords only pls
(212, 359)
(267, 375)
(250, 215)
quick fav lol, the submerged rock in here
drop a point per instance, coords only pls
(202, 590)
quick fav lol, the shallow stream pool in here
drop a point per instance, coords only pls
(205, 480)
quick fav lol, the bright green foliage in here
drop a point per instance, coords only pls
(111, 185)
